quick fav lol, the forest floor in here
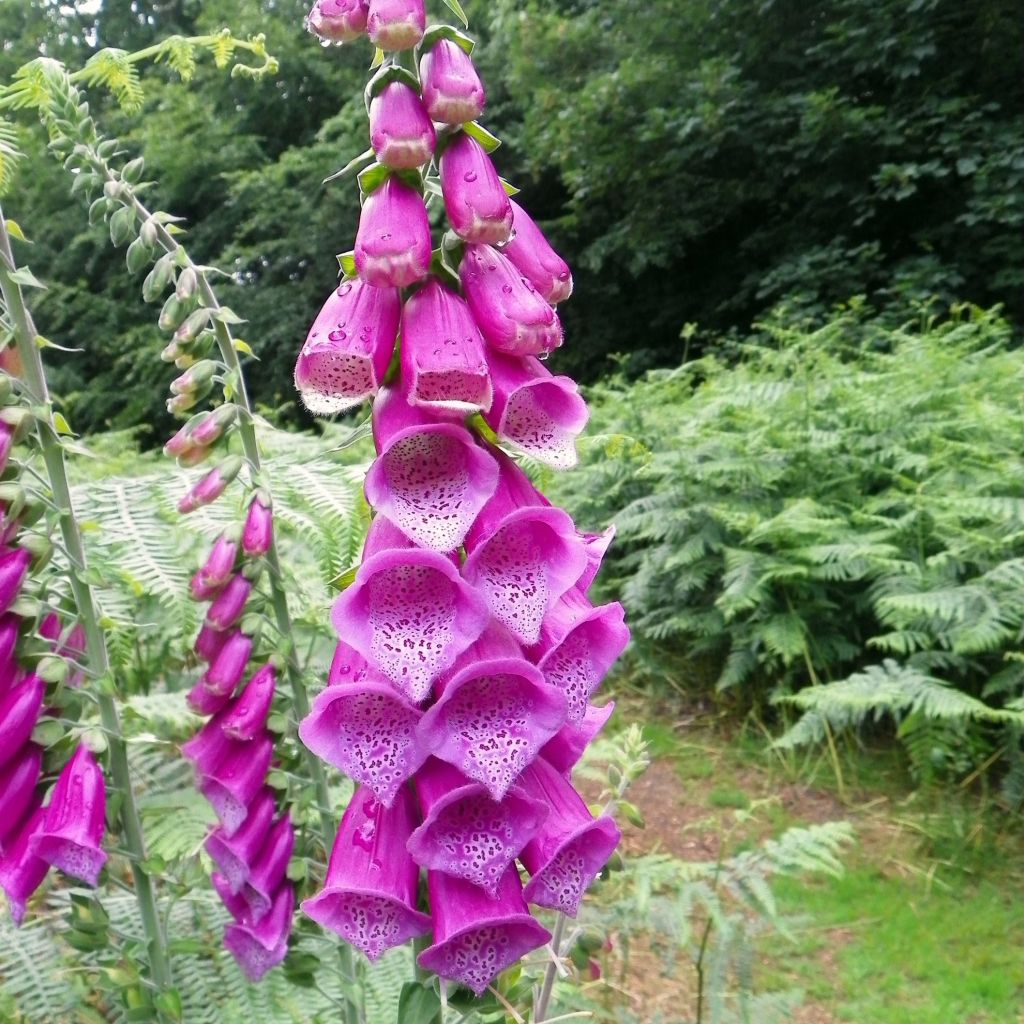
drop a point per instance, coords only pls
(926, 925)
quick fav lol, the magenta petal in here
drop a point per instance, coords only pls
(258, 532)
(209, 642)
(236, 854)
(9, 669)
(247, 716)
(572, 845)
(538, 413)
(476, 936)
(430, 479)
(204, 701)
(269, 870)
(579, 644)
(229, 604)
(567, 746)
(258, 947)
(19, 712)
(21, 871)
(452, 90)
(410, 614)
(369, 897)
(396, 24)
(14, 565)
(228, 666)
(234, 779)
(73, 826)
(533, 256)
(220, 563)
(349, 347)
(368, 731)
(493, 717)
(597, 545)
(393, 242)
(401, 133)
(443, 361)
(476, 202)
(347, 666)
(465, 831)
(338, 21)
(18, 781)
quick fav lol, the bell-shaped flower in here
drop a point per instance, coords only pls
(477, 936)
(396, 24)
(533, 256)
(367, 730)
(401, 133)
(465, 831)
(443, 363)
(205, 702)
(72, 834)
(338, 21)
(215, 572)
(369, 896)
(494, 714)
(511, 315)
(209, 642)
(410, 615)
(247, 717)
(19, 712)
(14, 566)
(393, 244)
(259, 945)
(430, 479)
(268, 871)
(211, 427)
(21, 871)
(475, 200)
(228, 666)
(523, 555)
(564, 750)
(597, 545)
(18, 781)
(571, 847)
(258, 531)
(452, 90)
(228, 605)
(235, 855)
(211, 486)
(579, 644)
(349, 347)
(539, 413)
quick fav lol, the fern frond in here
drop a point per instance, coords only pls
(10, 153)
(180, 55)
(111, 69)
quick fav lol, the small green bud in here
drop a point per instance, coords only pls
(138, 257)
(172, 314)
(38, 546)
(112, 189)
(150, 234)
(132, 171)
(122, 225)
(158, 279)
(198, 376)
(172, 353)
(187, 284)
(18, 417)
(193, 324)
(52, 669)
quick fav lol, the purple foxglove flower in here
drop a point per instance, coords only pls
(476, 936)
(410, 614)
(211, 486)
(347, 666)
(9, 668)
(477, 205)
(228, 606)
(258, 532)
(578, 645)
(494, 714)
(21, 871)
(18, 781)
(234, 903)
(465, 831)
(566, 747)
(260, 946)
(234, 779)
(396, 24)
(14, 566)
(452, 90)
(209, 642)
(267, 873)
(537, 412)
(401, 134)
(367, 730)
(247, 717)
(443, 362)
(200, 590)
(72, 834)
(349, 347)
(597, 545)
(572, 845)
(430, 479)
(533, 256)
(511, 315)
(369, 896)
(236, 854)
(19, 712)
(220, 563)
(338, 21)
(522, 555)
(180, 444)
(226, 669)
(393, 244)
(204, 702)
(212, 426)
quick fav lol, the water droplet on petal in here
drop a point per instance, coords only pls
(469, 176)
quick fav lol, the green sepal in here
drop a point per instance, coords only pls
(384, 77)
(435, 33)
(477, 131)
(372, 178)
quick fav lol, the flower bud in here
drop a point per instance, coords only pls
(220, 563)
(171, 353)
(194, 457)
(212, 426)
(228, 606)
(195, 322)
(452, 90)
(172, 314)
(400, 131)
(180, 444)
(338, 21)
(474, 198)
(211, 486)
(14, 566)
(186, 285)
(194, 379)
(396, 24)
(393, 244)
(180, 404)
(6, 443)
(257, 535)
(226, 669)
(209, 642)
(533, 257)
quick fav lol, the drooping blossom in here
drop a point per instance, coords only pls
(393, 245)
(396, 24)
(21, 871)
(258, 531)
(477, 205)
(401, 133)
(338, 21)
(452, 90)
(533, 257)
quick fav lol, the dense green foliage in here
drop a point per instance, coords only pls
(830, 508)
(696, 160)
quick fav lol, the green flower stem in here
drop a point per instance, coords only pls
(551, 972)
(97, 656)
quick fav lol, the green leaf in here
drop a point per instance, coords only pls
(456, 8)
(490, 142)
(226, 315)
(14, 230)
(510, 189)
(26, 278)
(60, 424)
(418, 1004)
(347, 262)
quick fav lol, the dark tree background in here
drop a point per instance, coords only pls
(698, 161)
